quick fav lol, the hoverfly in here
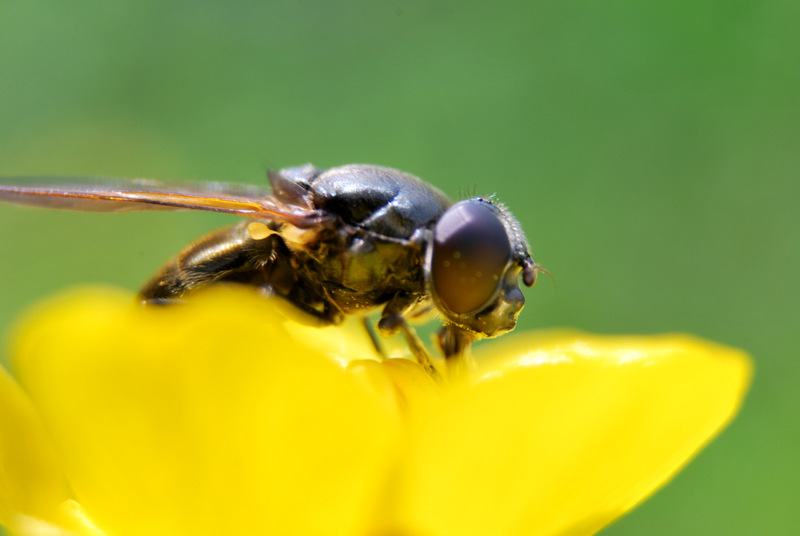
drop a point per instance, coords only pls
(334, 243)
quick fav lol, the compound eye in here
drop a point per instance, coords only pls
(471, 250)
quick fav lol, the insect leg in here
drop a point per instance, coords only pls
(419, 350)
(373, 337)
(392, 321)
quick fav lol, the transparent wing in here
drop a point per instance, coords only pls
(122, 195)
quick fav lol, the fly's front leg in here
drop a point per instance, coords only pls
(392, 321)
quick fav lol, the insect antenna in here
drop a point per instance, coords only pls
(539, 268)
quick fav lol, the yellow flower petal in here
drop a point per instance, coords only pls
(230, 416)
(403, 385)
(206, 419)
(31, 483)
(567, 435)
(72, 521)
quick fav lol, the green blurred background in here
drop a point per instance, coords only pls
(650, 150)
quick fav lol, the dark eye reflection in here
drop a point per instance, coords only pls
(470, 253)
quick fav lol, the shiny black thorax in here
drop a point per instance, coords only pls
(369, 252)
(376, 249)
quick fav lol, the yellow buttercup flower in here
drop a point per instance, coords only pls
(226, 415)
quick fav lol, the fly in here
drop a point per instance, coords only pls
(335, 243)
